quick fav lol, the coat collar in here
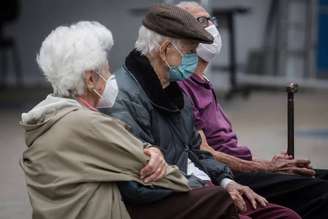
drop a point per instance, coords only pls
(169, 99)
(204, 82)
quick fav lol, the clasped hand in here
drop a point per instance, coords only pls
(286, 164)
(156, 167)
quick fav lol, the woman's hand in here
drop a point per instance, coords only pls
(155, 168)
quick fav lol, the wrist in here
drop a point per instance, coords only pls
(249, 166)
(225, 182)
(155, 148)
(265, 166)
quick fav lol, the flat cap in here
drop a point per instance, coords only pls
(171, 21)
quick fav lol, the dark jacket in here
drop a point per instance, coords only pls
(161, 117)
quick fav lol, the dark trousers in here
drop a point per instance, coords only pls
(208, 203)
(272, 211)
(322, 174)
(307, 196)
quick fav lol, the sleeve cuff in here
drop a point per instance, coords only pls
(225, 181)
(147, 145)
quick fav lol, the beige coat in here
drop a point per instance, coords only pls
(75, 156)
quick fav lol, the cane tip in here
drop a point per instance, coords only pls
(292, 87)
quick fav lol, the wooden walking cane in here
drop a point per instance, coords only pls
(291, 89)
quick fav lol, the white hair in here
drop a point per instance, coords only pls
(185, 4)
(148, 41)
(69, 51)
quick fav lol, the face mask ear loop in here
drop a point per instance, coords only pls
(96, 92)
(168, 65)
(102, 77)
(181, 54)
(179, 51)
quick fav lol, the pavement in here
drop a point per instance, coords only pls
(260, 122)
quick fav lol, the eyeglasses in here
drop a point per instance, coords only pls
(203, 20)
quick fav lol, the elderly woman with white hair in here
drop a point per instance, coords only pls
(77, 156)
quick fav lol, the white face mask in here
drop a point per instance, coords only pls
(110, 93)
(208, 51)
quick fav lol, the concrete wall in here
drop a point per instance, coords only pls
(39, 17)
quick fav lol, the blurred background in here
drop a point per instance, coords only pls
(266, 45)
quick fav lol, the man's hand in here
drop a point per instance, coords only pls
(156, 167)
(239, 192)
(285, 164)
(283, 155)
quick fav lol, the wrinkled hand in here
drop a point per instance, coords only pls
(239, 192)
(286, 164)
(156, 166)
(283, 155)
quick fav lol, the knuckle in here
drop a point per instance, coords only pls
(158, 171)
(151, 169)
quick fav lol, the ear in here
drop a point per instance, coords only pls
(90, 80)
(163, 49)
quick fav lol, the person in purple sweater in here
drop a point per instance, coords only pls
(284, 180)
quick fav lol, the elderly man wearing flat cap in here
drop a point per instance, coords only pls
(153, 106)
(151, 103)
(167, 39)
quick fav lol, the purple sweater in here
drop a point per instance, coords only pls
(209, 117)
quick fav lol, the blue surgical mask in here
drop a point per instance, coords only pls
(186, 68)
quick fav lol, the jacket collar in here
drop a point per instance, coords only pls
(204, 82)
(169, 99)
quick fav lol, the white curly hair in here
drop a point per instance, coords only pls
(69, 51)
